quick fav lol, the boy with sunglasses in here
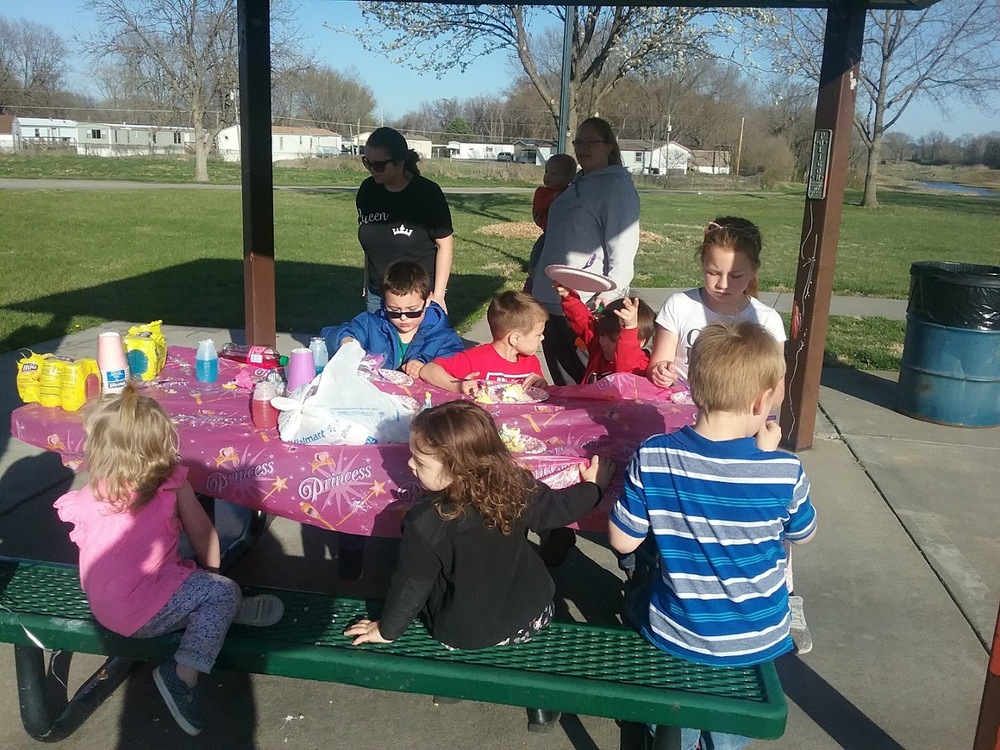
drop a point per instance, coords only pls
(409, 330)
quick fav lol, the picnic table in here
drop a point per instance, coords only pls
(365, 489)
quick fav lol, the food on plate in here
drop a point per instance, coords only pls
(508, 393)
(512, 438)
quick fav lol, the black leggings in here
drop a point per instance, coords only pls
(564, 359)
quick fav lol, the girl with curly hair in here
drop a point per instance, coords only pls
(464, 560)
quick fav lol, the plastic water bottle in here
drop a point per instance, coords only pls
(320, 353)
(206, 362)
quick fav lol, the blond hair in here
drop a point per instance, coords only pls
(464, 438)
(131, 449)
(732, 364)
(514, 312)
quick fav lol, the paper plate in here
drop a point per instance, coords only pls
(577, 278)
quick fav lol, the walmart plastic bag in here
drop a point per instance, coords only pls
(340, 408)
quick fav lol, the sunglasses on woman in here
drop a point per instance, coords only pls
(397, 314)
(376, 166)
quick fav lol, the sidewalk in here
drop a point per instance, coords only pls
(900, 590)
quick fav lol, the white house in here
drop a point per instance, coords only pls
(6, 133)
(43, 132)
(477, 150)
(107, 139)
(533, 151)
(634, 155)
(711, 162)
(664, 157)
(286, 143)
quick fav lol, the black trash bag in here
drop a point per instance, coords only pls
(959, 295)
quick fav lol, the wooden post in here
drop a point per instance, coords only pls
(255, 152)
(988, 728)
(845, 25)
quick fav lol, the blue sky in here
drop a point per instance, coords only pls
(400, 89)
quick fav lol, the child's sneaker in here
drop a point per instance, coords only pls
(799, 630)
(259, 611)
(180, 699)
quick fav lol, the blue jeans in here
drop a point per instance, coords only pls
(712, 740)
(374, 301)
(637, 615)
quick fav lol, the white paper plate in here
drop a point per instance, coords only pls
(577, 278)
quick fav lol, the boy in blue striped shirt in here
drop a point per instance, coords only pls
(719, 499)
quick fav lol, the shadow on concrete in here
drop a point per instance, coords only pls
(207, 292)
(864, 386)
(844, 722)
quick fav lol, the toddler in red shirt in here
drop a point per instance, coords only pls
(615, 338)
(560, 169)
(516, 321)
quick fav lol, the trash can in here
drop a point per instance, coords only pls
(950, 370)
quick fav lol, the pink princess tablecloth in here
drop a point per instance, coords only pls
(365, 490)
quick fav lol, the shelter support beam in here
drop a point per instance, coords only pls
(255, 152)
(845, 24)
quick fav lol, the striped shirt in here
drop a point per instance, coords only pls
(719, 511)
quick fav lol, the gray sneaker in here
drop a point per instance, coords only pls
(799, 630)
(180, 699)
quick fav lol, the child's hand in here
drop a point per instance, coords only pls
(597, 471)
(769, 435)
(469, 385)
(629, 314)
(663, 374)
(535, 381)
(365, 631)
(346, 340)
(561, 290)
(413, 368)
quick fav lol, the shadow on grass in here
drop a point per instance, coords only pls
(957, 204)
(209, 292)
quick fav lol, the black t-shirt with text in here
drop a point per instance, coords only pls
(401, 226)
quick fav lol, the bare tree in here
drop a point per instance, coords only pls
(188, 46)
(32, 65)
(608, 42)
(331, 99)
(898, 144)
(952, 48)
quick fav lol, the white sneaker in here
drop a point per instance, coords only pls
(799, 630)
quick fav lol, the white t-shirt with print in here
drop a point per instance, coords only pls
(685, 314)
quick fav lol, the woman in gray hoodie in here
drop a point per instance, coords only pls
(593, 225)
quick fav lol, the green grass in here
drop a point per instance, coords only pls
(78, 258)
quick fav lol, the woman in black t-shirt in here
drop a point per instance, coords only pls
(401, 216)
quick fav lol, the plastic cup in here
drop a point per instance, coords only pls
(301, 368)
(111, 361)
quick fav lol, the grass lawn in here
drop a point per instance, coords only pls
(77, 258)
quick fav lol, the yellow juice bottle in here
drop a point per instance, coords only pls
(81, 380)
(50, 381)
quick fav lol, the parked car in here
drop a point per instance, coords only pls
(505, 156)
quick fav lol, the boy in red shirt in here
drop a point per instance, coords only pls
(516, 322)
(560, 169)
(615, 339)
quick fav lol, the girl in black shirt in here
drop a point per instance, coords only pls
(464, 559)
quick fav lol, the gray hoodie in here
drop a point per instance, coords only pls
(596, 221)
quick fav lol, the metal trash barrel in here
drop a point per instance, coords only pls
(950, 370)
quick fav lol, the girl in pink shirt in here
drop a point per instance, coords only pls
(127, 522)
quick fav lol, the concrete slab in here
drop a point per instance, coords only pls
(902, 564)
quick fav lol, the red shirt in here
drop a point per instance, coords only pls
(541, 202)
(629, 354)
(485, 360)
